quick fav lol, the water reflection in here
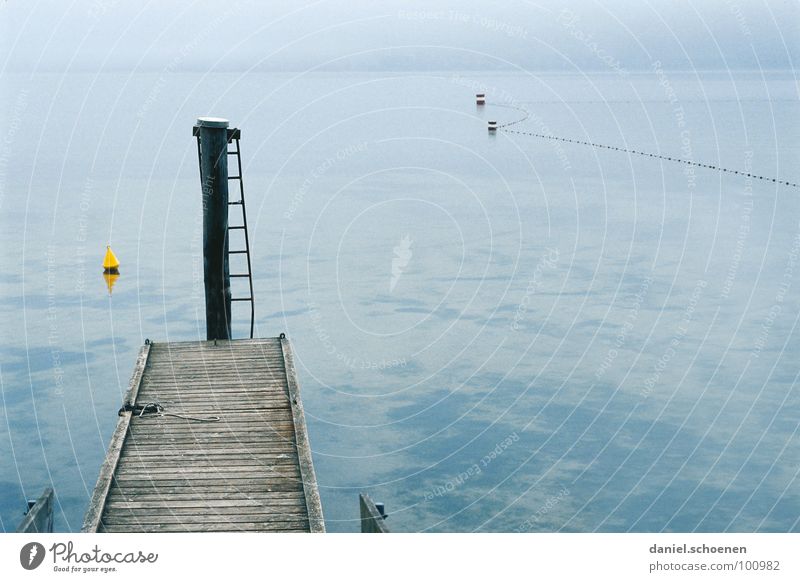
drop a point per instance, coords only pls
(110, 279)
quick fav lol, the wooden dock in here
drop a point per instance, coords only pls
(173, 468)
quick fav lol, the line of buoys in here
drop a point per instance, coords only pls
(493, 127)
(687, 162)
(480, 98)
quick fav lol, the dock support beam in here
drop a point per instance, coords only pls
(214, 175)
(39, 517)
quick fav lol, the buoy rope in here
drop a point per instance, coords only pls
(510, 123)
(634, 152)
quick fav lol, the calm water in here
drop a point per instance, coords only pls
(494, 333)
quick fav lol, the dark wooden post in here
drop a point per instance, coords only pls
(372, 515)
(214, 175)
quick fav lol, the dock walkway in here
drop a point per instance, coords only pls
(174, 468)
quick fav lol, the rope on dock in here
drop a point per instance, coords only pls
(684, 161)
(156, 409)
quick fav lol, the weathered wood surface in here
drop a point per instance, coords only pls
(250, 471)
(39, 517)
(371, 519)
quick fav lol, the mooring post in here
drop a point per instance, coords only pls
(39, 517)
(213, 135)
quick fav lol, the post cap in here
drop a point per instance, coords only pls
(212, 122)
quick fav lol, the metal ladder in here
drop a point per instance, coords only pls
(233, 137)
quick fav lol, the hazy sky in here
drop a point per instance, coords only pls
(397, 35)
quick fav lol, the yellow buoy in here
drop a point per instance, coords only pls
(110, 278)
(110, 262)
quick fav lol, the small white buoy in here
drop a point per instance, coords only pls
(492, 126)
(480, 98)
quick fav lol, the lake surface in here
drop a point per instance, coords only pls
(493, 333)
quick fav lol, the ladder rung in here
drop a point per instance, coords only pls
(234, 177)
(241, 275)
(241, 298)
(233, 153)
(236, 252)
(236, 228)
(235, 202)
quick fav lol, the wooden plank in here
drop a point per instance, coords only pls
(214, 441)
(257, 509)
(234, 412)
(173, 484)
(271, 484)
(145, 452)
(218, 472)
(245, 430)
(265, 424)
(233, 475)
(168, 486)
(216, 394)
(238, 402)
(218, 397)
(154, 494)
(176, 415)
(288, 469)
(198, 366)
(282, 527)
(255, 357)
(313, 503)
(92, 518)
(227, 419)
(231, 453)
(207, 517)
(189, 442)
(262, 381)
(205, 372)
(144, 495)
(221, 456)
(214, 357)
(210, 517)
(258, 382)
(234, 435)
(238, 346)
(221, 345)
(216, 460)
(220, 428)
(261, 506)
(150, 465)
